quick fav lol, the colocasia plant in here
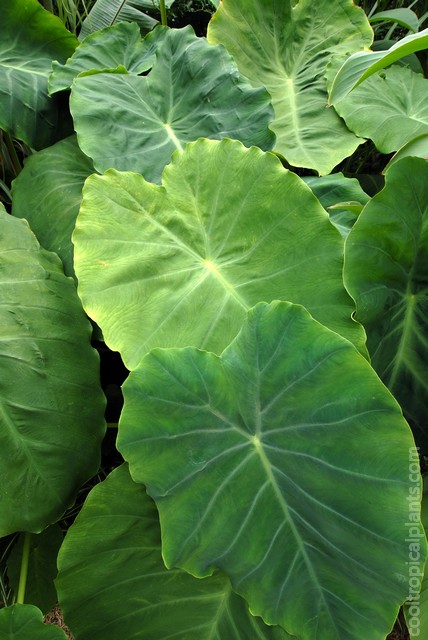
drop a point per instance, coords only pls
(241, 221)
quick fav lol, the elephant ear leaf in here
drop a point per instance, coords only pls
(229, 227)
(193, 90)
(386, 272)
(265, 462)
(51, 403)
(286, 47)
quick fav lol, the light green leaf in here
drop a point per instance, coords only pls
(105, 13)
(286, 47)
(24, 621)
(403, 16)
(332, 191)
(42, 570)
(181, 264)
(51, 403)
(30, 38)
(386, 272)
(390, 108)
(193, 90)
(363, 64)
(284, 463)
(418, 147)
(48, 192)
(120, 45)
(133, 590)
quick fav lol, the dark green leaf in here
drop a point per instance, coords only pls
(112, 579)
(284, 463)
(51, 403)
(30, 38)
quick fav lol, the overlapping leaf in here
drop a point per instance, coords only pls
(51, 404)
(111, 577)
(24, 621)
(30, 38)
(363, 64)
(105, 13)
(48, 192)
(286, 47)
(337, 189)
(390, 108)
(386, 272)
(181, 264)
(285, 465)
(118, 46)
(194, 90)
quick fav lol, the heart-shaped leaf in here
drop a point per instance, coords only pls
(286, 46)
(24, 621)
(284, 463)
(181, 264)
(51, 403)
(386, 272)
(193, 90)
(111, 577)
(30, 38)
(48, 192)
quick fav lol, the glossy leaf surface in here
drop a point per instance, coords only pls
(30, 38)
(194, 90)
(286, 47)
(48, 193)
(181, 264)
(386, 272)
(111, 577)
(285, 465)
(51, 404)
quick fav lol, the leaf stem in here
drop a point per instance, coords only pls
(12, 153)
(24, 568)
(163, 13)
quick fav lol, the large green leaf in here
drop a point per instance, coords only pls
(113, 47)
(390, 108)
(42, 569)
(30, 38)
(24, 621)
(418, 147)
(286, 47)
(48, 192)
(386, 272)
(181, 264)
(363, 64)
(51, 404)
(284, 463)
(193, 90)
(112, 579)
